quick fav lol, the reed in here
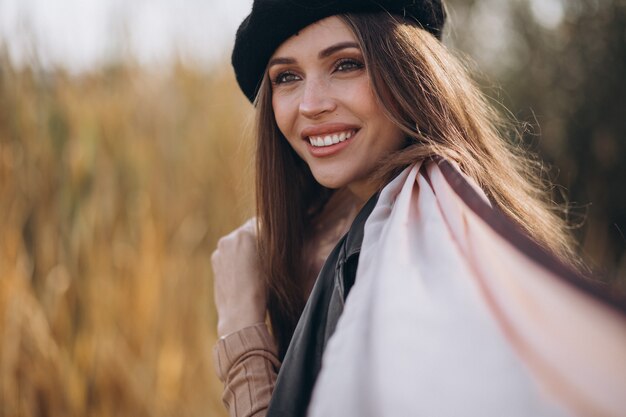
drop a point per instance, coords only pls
(114, 187)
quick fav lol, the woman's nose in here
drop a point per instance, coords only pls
(316, 98)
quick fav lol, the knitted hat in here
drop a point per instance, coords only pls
(271, 22)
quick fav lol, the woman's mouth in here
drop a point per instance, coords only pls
(330, 139)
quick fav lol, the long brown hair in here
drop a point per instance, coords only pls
(428, 93)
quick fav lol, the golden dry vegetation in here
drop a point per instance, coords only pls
(114, 187)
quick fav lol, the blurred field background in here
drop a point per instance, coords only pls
(117, 181)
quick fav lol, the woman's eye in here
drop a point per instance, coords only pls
(348, 65)
(285, 77)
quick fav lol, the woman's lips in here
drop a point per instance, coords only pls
(329, 138)
(326, 129)
(329, 150)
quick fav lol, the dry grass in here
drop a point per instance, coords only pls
(114, 187)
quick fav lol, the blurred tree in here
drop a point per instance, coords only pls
(561, 65)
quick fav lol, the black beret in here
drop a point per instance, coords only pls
(271, 22)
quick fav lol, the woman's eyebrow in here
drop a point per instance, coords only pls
(323, 53)
(280, 60)
(337, 47)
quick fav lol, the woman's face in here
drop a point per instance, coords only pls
(324, 105)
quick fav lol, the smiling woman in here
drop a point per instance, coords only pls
(325, 107)
(372, 139)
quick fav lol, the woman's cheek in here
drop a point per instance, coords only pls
(285, 105)
(286, 120)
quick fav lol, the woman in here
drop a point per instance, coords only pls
(349, 94)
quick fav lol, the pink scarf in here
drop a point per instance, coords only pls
(455, 312)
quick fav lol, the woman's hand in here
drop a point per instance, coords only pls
(239, 289)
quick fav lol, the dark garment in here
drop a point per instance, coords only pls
(317, 323)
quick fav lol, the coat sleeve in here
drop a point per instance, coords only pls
(247, 363)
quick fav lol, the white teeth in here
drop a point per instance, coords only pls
(330, 139)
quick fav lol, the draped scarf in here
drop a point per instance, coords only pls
(457, 312)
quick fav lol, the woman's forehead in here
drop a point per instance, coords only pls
(316, 36)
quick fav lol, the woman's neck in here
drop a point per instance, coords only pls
(362, 191)
(326, 229)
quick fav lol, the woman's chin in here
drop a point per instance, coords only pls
(338, 180)
(329, 180)
(332, 177)
(333, 185)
